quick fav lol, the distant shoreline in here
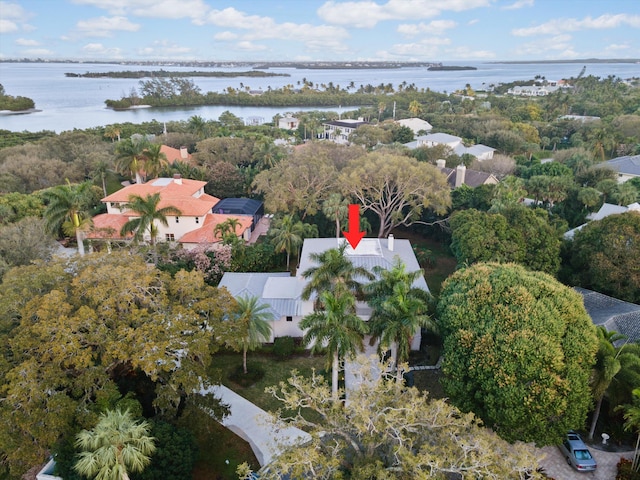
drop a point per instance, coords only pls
(169, 74)
(578, 60)
(19, 112)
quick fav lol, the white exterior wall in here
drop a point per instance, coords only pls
(184, 225)
(282, 328)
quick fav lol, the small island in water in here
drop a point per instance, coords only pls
(448, 68)
(167, 74)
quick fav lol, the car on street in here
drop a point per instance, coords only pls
(577, 454)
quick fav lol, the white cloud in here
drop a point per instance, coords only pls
(7, 26)
(519, 4)
(151, 8)
(13, 15)
(614, 47)
(427, 48)
(225, 36)
(466, 53)
(435, 27)
(250, 46)
(366, 14)
(314, 37)
(165, 49)
(37, 52)
(25, 42)
(105, 26)
(473, 22)
(542, 47)
(572, 25)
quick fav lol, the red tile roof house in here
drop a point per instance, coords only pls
(195, 224)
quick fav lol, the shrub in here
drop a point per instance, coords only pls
(625, 471)
(283, 347)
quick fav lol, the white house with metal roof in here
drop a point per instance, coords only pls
(282, 292)
(479, 151)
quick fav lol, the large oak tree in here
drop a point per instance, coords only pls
(73, 329)
(396, 188)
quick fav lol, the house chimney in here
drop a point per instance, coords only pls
(441, 163)
(177, 179)
(461, 170)
(184, 154)
(390, 243)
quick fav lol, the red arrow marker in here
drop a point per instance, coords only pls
(354, 235)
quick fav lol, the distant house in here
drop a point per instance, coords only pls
(532, 91)
(288, 123)
(579, 118)
(461, 175)
(628, 167)
(418, 125)
(195, 224)
(605, 210)
(613, 314)
(338, 131)
(479, 151)
(282, 292)
(176, 155)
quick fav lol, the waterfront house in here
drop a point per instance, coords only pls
(338, 131)
(195, 224)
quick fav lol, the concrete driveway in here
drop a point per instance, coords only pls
(556, 466)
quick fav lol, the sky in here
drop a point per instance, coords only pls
(319, 30)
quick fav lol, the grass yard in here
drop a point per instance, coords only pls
(276, 371)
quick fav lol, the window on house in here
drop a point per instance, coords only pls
(169, 237)
(197, 219)
(289, 319)
(177, 219)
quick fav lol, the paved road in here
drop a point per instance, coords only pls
(556, 466)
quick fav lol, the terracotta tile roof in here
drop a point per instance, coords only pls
(205, 233)
(167, 186)
(174, 155)
(107, 225)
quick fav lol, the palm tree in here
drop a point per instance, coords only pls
(130, 155)
(68, 209)
(112, 132)
(147, 214)
(399, 309)
(100, 171)
(227, 227)
(415, 108)
(632, 422)
(116, 445)
(334, 272)
(287, 235)
(254, 324)
(336, 207)
(606, 368)
(337, 329)
(154, 159)
(197, 125)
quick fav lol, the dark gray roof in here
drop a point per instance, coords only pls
(613, 314)
(237, 206)
(629, 164)
(346, 124)
(472, 178)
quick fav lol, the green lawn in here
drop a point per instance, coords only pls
(276, 371)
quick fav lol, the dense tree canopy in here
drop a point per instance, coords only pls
(605, 256)
(518, 351)
(388, 431)
(396, 188)
(516, 234)
(74, 329)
